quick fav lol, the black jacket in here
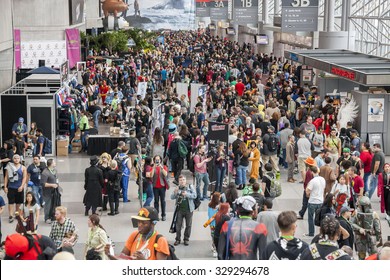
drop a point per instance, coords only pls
(93, 186)
(283, 249)
(173, 150)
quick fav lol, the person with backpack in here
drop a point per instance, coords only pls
(124, 167)
(176, 157)
(318, 139)
(184, 195)
(39, 147)
(145, 243)
(113, 187)
(269, 182)
(270, 148)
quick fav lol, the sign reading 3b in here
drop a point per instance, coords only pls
(299, 15)
(245, 11)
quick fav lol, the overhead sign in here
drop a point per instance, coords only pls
(202, 8)
(219, 9)
(299, 15)
(343, 73)
(245, 11)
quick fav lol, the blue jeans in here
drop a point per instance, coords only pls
(221, 172)
(125, 185)
(312, 210)
(149, 194)
(84, 140)
(241, 175)
(282, 159)
(373, 185)
(206, 182)
(95, 116)
(365, 179)
(37, 190)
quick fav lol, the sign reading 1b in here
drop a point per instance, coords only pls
(299, 15)
(245, 11)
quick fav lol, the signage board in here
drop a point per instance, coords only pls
(299, 15)
(219, 9)
(202, 8)
(245, 11)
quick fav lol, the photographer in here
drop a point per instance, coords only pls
(160, 185)
(221, 164)
(200, 167)
(184, 195)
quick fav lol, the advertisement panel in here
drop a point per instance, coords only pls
(376, 109)
(73, 49)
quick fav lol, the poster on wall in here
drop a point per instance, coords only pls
(73, 48)
(76, 11)
(53, 52)
(376, 109)
(160, 14)
(64, 71)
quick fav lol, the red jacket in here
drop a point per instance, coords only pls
(240, 87)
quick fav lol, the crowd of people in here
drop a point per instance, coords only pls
(274, 124)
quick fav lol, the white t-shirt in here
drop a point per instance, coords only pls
(316, 187)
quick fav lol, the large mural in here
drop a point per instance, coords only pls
(161, 14)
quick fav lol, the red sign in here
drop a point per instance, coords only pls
(343, 73)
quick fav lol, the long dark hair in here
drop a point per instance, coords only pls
(95, 220)
(33, 201)
(157, 137)
(231, 193)
(223, 210)
(214, 200)
(328, 201)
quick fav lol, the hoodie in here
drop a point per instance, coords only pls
(283, 249)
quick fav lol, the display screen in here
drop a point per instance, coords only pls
(230, 31)
(262, 39)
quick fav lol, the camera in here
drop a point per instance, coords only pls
(212, 152)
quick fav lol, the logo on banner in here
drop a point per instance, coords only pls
(216, 127)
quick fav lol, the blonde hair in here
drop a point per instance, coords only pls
(62, 209)
(106, 155)
(113, 164)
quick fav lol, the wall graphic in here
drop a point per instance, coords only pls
(53, 52)
(376, 109)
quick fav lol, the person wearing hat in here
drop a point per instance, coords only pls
(242, 230)
(93, 185)
(145, 243)
(344, 219)
(20, 129)
(15, 180)
(344, 162)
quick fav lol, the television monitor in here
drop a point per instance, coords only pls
(262, 39)
(230, 31)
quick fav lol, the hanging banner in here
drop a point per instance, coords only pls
(17, 48)
(219, 9)
(218, 133)
(73, 46)
(245, 11)
(202, 8)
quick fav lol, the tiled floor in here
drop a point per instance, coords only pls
(71, 176)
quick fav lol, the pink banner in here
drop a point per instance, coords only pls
(18, 54)
(73, 46)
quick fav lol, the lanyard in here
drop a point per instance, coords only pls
(140, 238)
(245, 217)
(288, 237)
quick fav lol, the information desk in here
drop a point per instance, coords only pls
(98, 144)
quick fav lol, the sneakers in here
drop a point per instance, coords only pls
(163, 218)
(48, 221)
(186, 243)
(215, 254)
(111, 214)
(387, 218)
(177, 242)
(10, 219)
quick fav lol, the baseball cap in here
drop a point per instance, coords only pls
(145, 214)
(343, 210)
(346, 150)
(356, 154)
(21, 120)
(246, 202)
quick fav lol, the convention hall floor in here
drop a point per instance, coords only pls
(71, 177)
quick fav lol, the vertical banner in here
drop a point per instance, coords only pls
(64, 72)
(219, 9)
(245, 11)
(73, 46)
(202, 8)
(17, 48)
(218, 133)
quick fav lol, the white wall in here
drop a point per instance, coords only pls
(6, 45)
(92, 11)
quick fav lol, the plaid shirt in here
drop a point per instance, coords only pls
(58, 231)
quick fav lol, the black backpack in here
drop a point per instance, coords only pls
(172, 256)
(272, 143)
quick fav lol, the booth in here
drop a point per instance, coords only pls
(34, 99)
(364, 77)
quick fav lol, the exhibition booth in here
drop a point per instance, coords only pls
(364, 77)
